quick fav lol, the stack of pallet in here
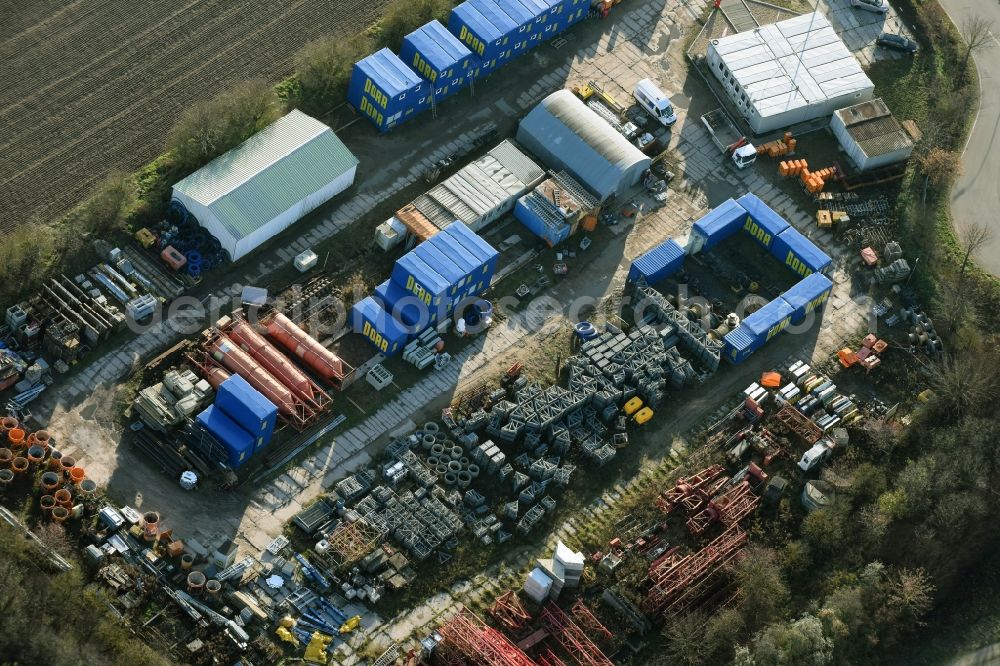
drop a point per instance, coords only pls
(779, 148)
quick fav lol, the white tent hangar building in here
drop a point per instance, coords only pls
(267, 183)
(788, 72)
(566, 135)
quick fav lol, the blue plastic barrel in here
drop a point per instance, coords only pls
(193, 257)
(585, 330)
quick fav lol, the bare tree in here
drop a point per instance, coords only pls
(973, 236)
(977, 31)
(940, 167)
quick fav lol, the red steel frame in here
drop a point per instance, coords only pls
(549, 658)
(509, 612)
(467, 635)
(585, 618)
(572, 638)
(684, 487)
(677, 574)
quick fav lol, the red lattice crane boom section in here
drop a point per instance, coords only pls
(467, 635)
(677, 574)
(572, 638)
(509, 612)
(587, 621)
(728, 508)
(549, 658)
(668, 501)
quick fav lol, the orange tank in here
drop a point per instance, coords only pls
(216, 376)
(320, 359)
(273, 361)
(228, 353)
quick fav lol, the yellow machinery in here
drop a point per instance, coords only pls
(316, 650)
(352, 624)
(287, 636)
(643, 415)
(633, 405)
(594, 90)
(145, 237)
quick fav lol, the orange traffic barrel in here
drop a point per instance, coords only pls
(76, 475)
(60, 514)
(64, 497)
(19, 465)
(66, 463)
(16, 438)
(42, 438)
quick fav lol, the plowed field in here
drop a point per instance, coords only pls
(92, 86)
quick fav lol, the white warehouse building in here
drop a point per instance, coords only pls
(267, 183)
(788, 72)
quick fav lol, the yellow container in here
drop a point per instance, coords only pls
(633, 405)
(643, 415)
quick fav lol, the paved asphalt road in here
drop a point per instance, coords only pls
(977, 193)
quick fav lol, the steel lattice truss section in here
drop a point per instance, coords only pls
(684, 487)
(467, 635)
(549, 658)
(799, 424)
(585, 618)
(728, 508)
(349, 542)
(676, 575)
(509, 612)
(572, 638)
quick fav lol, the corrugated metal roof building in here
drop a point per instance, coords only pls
(565, 134)
(870, 135)
(554, 209)
(268, 182)
(478, 194)
(788, 72)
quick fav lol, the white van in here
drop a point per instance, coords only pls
(655, 102)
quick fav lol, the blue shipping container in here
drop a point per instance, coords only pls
(807, 295)
(799, 253)
(485, 253)
(406, 308)
(385, 90)
(770, 320)
(437, 56)
(659, 263)
(417, 277)
(739, 345)
(444, 262)
(761, 222)
(369, 319)
(573, 12)
(239, 444)
(532, 214)
(720, 223)
(483, 29)
(509, 16)
(249, 408)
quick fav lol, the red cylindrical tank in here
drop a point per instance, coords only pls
(228, 353)
(273, 360)
(324, 362)
(216, 376)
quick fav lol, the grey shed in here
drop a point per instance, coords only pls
(870, 135)
(566, 135)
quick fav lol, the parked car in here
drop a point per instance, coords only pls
(877, 6)
(896, 42)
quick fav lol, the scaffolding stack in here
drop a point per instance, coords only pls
(693, 337)
(419, 525)
(351, 541)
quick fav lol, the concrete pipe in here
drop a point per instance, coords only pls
(49, 482)
(187, 560)
(8, 423)
(440, 437)
(150, 525)
(450, 479)
(473, 469)
(441, 469)
(77, 475)
(36, 454)
(433, 461)
(428, 442)
(213, 587)
(456, 452)
(464, 461)
(454, 466)
(55, 460)
(64, 497)
(15, 437)
(6, 476)
(6, 456)
(437, 450)
(47, 502)
(60, 514)
(19, 465)
(464, 479)
(88, 488)
(431, 427)
(195, 582)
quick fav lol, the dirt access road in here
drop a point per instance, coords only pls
(93, 86)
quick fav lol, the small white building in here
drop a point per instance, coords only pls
(267, 183)
(870, 135)
(788, 72)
